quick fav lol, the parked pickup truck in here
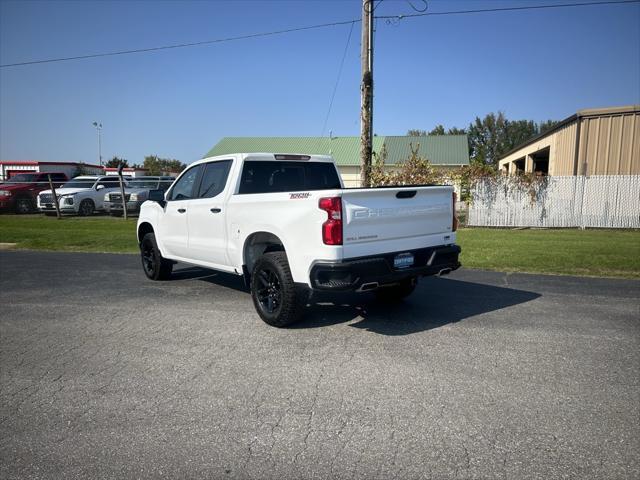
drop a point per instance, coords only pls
(286, 223)
(135, 194)
(19, 192)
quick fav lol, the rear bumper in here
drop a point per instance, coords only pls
(352, 274)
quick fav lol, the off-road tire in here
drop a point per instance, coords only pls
(86, 208)
(271, 276)
(396, 293)
(24, 205)
(155, 267)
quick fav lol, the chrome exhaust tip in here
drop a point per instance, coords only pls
(445, 271)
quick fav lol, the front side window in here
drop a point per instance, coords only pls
(214, 178)
(185, 186)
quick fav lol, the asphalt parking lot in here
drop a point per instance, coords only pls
(478, 375)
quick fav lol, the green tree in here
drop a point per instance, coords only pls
(415, 170)
(494, 135)
(157, 166)
(487, 138)
(546, 125)
(518, 132)
(417, 133)
(115, 162)
(438, 130)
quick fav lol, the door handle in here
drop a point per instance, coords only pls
(215, 210)
(406, 194)
(182, 210)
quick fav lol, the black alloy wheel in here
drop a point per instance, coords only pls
(269, 291)
(148, 258)
(155, 267)
(278, 300)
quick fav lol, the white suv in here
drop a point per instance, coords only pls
(80, 195)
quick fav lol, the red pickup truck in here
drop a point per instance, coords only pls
(18, 193)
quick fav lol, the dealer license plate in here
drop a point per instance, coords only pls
(403, 260)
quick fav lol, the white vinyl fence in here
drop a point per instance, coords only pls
(597, 201)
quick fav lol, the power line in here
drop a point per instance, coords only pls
(506, 9)
(312, 27)
(335, 87)
(180, 45)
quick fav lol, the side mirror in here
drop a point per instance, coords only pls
(157, 196)
(99, 187)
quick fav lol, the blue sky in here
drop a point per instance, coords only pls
(178, 103)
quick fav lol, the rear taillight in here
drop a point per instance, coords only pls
(332, 228)
(454, 223)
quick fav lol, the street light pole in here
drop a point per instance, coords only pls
(99, 131)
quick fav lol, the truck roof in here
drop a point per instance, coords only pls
(270, 156)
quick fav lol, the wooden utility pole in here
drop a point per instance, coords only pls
(56, 202)
(122, 192)
(366, 94)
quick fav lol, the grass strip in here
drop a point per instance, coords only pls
(600, 253)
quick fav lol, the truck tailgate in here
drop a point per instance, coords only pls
(382, 220)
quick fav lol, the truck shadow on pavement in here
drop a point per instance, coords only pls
(436, 302)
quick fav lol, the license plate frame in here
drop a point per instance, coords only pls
(403, 260)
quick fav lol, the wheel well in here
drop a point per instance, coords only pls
(143, 229)
(257, 245)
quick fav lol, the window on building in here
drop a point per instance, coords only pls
(541, 162)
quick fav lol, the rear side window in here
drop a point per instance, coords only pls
(271, 177)
(110, 182)
(214, 178)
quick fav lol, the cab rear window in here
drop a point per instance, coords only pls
(272, 177)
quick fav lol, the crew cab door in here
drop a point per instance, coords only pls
(207, 216)
(173, 224)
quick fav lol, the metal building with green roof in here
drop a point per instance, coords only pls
(445, 151)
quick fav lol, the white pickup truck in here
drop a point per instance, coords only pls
(286, 223)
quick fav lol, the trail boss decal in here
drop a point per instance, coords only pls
(297, 196)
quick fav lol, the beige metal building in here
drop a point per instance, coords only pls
(599, 141)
